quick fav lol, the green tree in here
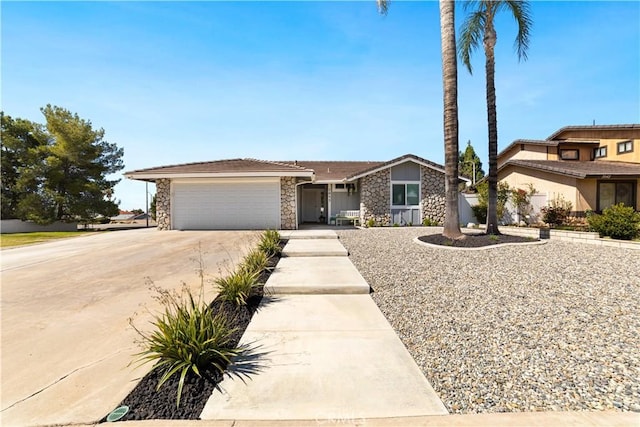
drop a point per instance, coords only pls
(450, 119)
(152, 208)
(64, 176)
(468, 159)
(479, 27)
(21, 158)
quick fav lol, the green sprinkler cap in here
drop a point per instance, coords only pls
(117, 413)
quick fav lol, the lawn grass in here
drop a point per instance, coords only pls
(20, 239)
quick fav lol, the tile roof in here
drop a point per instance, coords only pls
(228, 166)
(325, 171)
(630, 126)
(334, 170)
(581, 170)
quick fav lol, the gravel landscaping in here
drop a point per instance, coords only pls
(551, 327)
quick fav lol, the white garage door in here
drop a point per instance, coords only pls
(233, 205)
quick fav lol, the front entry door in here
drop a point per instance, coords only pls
(312, 204)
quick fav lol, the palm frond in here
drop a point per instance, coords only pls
(383, 6)
(522, 14)
(471, 34)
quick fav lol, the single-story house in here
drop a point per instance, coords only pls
(260, 194)
(593, 167)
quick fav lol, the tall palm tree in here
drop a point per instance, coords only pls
(478, 26)
(450, 85)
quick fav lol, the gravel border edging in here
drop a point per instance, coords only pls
(481, 248)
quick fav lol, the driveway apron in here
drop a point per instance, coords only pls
(66, 338)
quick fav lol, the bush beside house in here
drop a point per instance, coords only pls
(618, 222)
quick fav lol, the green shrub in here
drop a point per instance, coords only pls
(255, 262)
(618, 222)
(187, 338)
(237, 286)
(504, 192)
(557, 211)
(480, 212)
(522, 201)
(270, 243)
(427, 222)
(371, 222)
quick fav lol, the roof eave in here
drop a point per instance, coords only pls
(399, 161)
(149, 176)
(542, 169)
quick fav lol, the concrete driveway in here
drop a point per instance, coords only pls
(66, 341)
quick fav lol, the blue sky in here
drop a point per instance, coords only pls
(176, 82)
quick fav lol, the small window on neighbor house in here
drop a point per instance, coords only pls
(573, 154)
(625, 147)
(339, 187)
(600, 152)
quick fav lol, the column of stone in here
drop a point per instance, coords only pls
(163, 204)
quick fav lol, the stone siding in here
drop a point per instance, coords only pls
(288, 203)
(432, 199)
(375, 198)
(163, 204)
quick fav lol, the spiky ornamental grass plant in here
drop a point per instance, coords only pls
(255, 261)
(237, 286)
(187, 337)
(270, 243)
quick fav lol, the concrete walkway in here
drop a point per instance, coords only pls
(322, 348)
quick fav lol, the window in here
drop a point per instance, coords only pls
(573, 154)
(625, 147)
(611, 193)
(599, 152)
(406, 194)
(344, 188)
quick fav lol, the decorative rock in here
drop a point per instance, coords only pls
(549, 327)
(287, 203)
(375, 198)
(163, 204)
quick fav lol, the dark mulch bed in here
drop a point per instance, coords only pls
(475, 240)
(145, 403)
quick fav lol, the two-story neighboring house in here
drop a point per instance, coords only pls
(593, 167)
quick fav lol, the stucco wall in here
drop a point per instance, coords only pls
(163, 204)
(612, 151)
(587, 194)
(9, 226)
(548, 184)
(531, 152)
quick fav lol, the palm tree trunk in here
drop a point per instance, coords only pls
(450, 86)
(492, 119)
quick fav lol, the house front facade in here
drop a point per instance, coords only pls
(258, 194)
(593, 167)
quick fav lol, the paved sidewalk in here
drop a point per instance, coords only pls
(325, 353)
(308, 275)
(515, 419)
